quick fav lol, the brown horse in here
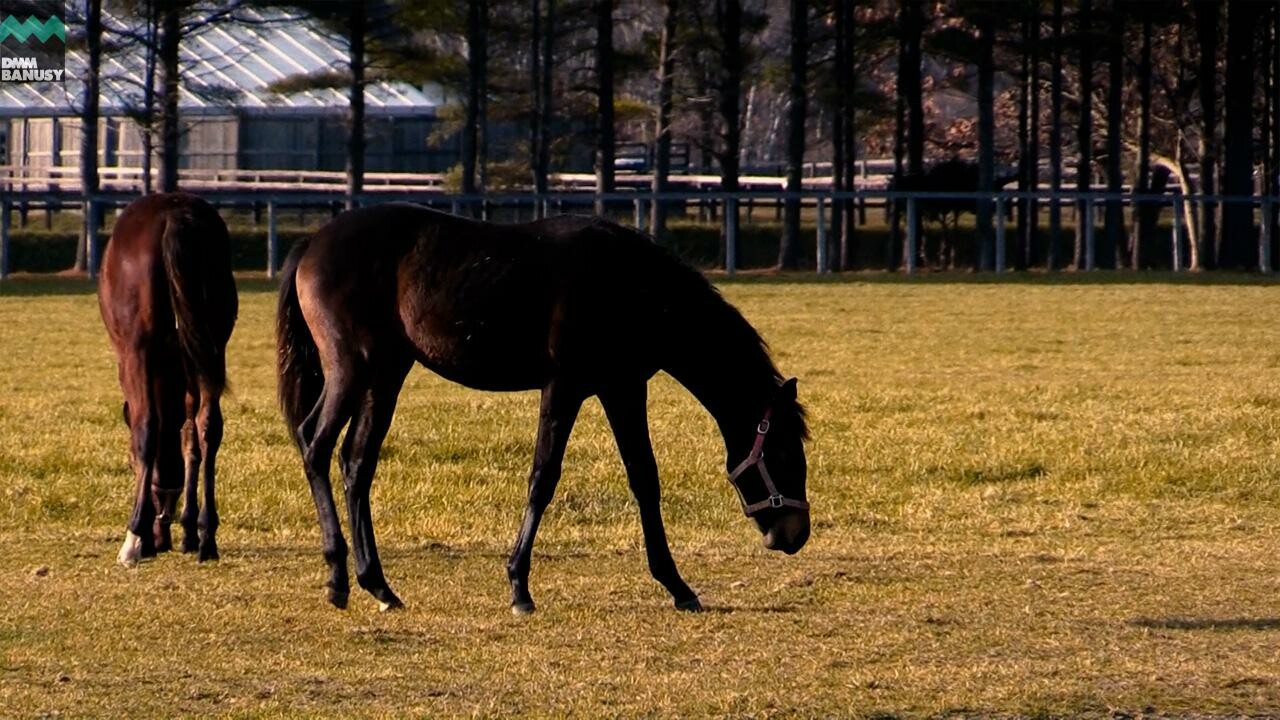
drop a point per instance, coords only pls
(574, 307)
(169, 302)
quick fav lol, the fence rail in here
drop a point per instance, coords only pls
(727, 205)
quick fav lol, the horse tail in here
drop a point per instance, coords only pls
(297, 358)
(192, 273)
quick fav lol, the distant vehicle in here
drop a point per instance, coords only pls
(630, 164)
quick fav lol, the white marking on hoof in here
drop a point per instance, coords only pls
(130, 551)
(384, 606)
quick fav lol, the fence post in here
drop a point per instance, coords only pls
(730, 236)
(1264, 238)
(862, 200)
(913, 235)
(1000, 239)
(454, 207)
(273, 240)
(639, 221)
(822, 236)
(5, 208)
(1088, 233)
(91, 238)
(1177, 231)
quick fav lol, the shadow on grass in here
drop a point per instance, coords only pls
(1037, 277)
(52, 285)
(1185, 623)
(46, 285)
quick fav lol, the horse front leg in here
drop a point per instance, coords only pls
(628, 416)
(558, 412)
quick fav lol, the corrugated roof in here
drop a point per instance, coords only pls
(226, 66)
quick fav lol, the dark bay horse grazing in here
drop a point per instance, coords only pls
(571, 306)
(169, 302)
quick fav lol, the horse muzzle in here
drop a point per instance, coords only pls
(789, 532)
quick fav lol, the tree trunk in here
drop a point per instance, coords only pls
(89, 126)
(843, 221)
(1024, 109)
(543, 105)
(1273, 180)
(662, 129)
(1055, 139)
(477, 89)
(355, 138)
(1144, 213)
(909, 119)
(148, 119)
(1108, 254)
(1084, 136)
(1030, 239)
(604, 116)
(1238, 247)
(730, 24)
(986, 138)
(535, 99)
(789, 250)
(170, 32)
(1207, 13)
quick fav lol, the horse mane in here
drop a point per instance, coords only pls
(723, 322)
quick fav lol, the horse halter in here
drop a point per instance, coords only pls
(755, 459)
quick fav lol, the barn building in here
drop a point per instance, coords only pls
(230, 117)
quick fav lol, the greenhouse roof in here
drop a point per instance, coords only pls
(226, 67)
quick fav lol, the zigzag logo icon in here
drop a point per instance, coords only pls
(31, 26)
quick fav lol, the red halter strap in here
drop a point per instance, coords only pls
(755, 459)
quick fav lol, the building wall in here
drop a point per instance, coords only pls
(246, 142)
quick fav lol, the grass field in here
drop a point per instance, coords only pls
(1050, 497)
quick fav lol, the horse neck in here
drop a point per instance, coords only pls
(733, 381)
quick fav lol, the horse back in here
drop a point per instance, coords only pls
(134, 292)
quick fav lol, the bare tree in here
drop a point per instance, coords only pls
(662, 125)
(1236, 246)
(89, 126)
(1108, 255)
(1084, 131)
(477, 90)
(605, 143)
(170, 37)
(1055, 138)
(355, 138)
(789, 249)
(984, 259)
(1207, 14)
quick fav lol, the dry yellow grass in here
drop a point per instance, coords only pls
(1037, 498)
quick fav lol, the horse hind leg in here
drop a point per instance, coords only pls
(208, 428)
(317, 437)
(166, 477)
(191, 467)
(359, 462)
(560, 406)
(144, 431)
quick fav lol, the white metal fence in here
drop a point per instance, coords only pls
(726, 206)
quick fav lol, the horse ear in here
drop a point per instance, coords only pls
(788, 390)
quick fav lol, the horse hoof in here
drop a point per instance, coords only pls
(209, 552)
(338, 599)
(190, 544)
(690, 605)
(130, 551)
(522, 608)
(388, 606)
